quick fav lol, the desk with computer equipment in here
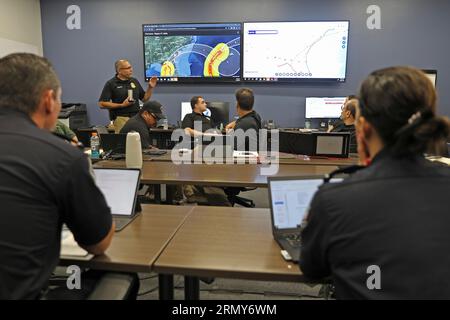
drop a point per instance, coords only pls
(138, 245)
(225, 175)
(272, 157)
(223, 242)
(195, 242)
(315, 143)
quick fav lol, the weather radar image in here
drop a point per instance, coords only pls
(201, 52)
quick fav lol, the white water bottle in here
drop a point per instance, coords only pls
(133, 155)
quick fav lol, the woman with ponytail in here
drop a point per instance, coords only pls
(383, 233)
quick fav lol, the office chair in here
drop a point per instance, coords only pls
(232, 194)
(96, 285)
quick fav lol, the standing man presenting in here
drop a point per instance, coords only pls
(121, 94)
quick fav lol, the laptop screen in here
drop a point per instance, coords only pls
(119, 187)
(113, 142)
(290, 201)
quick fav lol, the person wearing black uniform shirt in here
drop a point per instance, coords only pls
(339, 121)
(115, 94)
(44, 181)
(195, 124)
(249, 121)
(348, 113)
(147, 118)
(382, 233)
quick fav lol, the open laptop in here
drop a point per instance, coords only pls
(290, 198)
(113, 143)
(114, 146)
(120, 187)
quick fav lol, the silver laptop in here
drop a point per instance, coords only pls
(120, 188)
(290, 198)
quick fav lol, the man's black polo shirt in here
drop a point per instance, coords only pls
(138, 124)
(250, 121)
(116, 90)
(190, 118)
(44, 182)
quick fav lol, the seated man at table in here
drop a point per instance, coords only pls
(249, 121)
(146, 118)
(64, 131)
(246, 131)
(195, 124)
(44, 181)
(348, 113)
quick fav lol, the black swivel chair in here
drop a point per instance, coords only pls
(232, 195)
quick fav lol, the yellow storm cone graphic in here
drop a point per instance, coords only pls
(167, 69)
(217, 55)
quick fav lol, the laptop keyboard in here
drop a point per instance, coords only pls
(293, 239)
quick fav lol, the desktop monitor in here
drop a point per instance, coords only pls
(185, 109)
(432, 75)
(219, 113)
(323, 107)
(192, 52)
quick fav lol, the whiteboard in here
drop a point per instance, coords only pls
(9, 46)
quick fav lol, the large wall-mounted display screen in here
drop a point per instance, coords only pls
(193, 52)
(295, 51)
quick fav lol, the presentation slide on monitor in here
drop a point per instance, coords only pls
(192, 51)
(295, 50)
(323, 107)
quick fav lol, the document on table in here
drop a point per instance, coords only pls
(70, 248)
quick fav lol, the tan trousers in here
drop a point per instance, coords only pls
(119, 123)
(209, 196)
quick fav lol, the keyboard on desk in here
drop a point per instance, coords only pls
(154, 152)
(293, 239)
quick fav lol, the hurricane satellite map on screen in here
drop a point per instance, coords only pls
(192, 55)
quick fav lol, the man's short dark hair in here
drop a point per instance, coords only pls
(245, 98)
(118, 63)
(351, 106)
(23, 79)
(194, 101)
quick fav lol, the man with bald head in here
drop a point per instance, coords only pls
(121, 94)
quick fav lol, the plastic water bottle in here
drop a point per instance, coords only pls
(307, 124)
(165, 124)
(95, 146)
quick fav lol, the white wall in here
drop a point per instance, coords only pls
(20, 26)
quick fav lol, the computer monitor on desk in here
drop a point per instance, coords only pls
(185, 109)
(319, 111)
(219, 113)
(432, 75)
(323, 107)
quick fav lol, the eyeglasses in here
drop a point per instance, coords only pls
(126, 68)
